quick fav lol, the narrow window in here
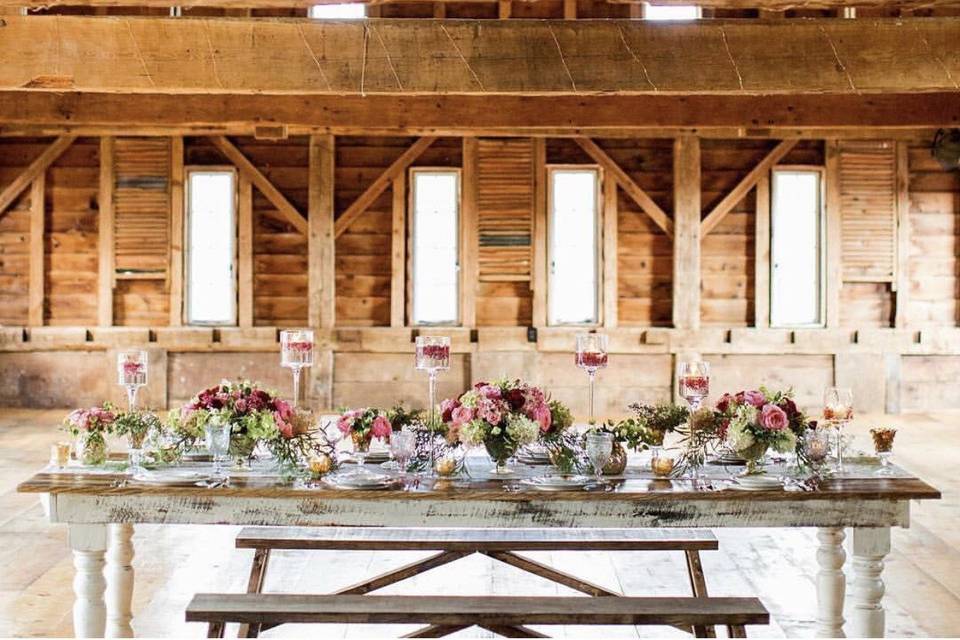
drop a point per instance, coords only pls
(211, 245)
(572, 296)
(796, 271)
(671, 12)
(345, 11)
(435, 252)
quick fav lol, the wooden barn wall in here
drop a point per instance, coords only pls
(363, 251)
(15, 155)
(279, 250)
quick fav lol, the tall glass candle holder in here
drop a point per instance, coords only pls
(132, 373)
(838, 411)
(591, 357)
(693, 379)
(432, 356)
(296, 354)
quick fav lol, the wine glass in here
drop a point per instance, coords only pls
(883, 445)
(816, 448)
(132, 373)
(837, 411)
(296, 353)
(432, 356)
(403, 444)
(217, 433)
(599, 450)
(693, 378)
(591, 357)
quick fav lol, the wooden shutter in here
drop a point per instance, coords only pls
(868, 196)
(142, 206)
(505, 209)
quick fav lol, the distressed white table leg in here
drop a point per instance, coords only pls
(89, 542)
(831, 582)
(870, 546)
(120, 581)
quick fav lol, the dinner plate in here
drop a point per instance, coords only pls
(556, 483)
(361, 481)
(172, 477)
(757, 483)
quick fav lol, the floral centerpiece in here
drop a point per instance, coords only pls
(136, 425)
(255, 416)
(363, 425)
(89, 427)
(502, 416)
(659, 420)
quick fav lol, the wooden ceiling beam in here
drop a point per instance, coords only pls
(598, 115)
(34, 170)
(765, 5)
(749, 181)
(631, 188)
(261, 182)
(481, 58)
(368, 197)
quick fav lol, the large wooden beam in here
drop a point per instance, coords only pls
(686, 239)
(321, 275)
(35, 294)
(177, 204)
(105, 226)
(834, 234)
(743, 187)
(611, 213)
(901, 318)
(245, 251)
(627, 183)
(469, 235)
(33, 171)
(398, 252)
(600, 115)
(540, 233)
(261, 182)
(370, 195)
(504, 57)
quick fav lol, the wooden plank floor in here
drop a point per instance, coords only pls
(923, 571)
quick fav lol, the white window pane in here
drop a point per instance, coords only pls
(671, 12)
(436, 276)
(572, 298)
(345, 11)
(795, 249)
(211, 287)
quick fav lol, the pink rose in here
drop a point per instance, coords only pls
(345, 424)
(381, 428)
(724, 402)
(461, 416)
(542, 416)
(755, 398)
(490, 392)
(446, 409)
(773, 418)
(283, 409)
(286, 429)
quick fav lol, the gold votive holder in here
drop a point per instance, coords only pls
(662, 467)
(60, 454)
(320, 466)
(445, 467)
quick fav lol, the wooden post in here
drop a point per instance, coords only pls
(176, 231)
(569, 9)
(398, 253)
(468, 235)
(902, 276)
(834, 273)
(105, 268)
(686, 239)
(761, 273)
(245, 250)
(611, 211)
(539, 232)
(36, 286)
(321, 271)
(504, 9)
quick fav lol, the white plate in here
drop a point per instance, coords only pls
(172, 476)
(360, 480)
(556, 483)
(757, 483)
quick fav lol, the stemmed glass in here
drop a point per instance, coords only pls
(883, 445)
(296, 353)
(433, 356)
(132, 373)
(599, 450)
(591, 357)
(693, 377)
(838, 410)
(218, 443)
(403, 444)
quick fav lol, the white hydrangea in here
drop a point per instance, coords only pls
(786, 443)
(469, 399)
(474, 432)
(522, 429)
(738, 436)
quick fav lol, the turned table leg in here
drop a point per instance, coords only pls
(119, 581)
(831, 582)
(870, 546)
(88, 542)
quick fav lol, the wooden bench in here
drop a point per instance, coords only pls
(453, 544)
(504, 615)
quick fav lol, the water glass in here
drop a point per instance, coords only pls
(693, 378)
(403, 446)
(218, 443)
(599, 450)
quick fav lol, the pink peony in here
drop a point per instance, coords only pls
(283, 409)
(345, 424)
(381, 428)
(773, 418)
(461, 416)
(755, 398)
(490, 392)
(286, 429)
(446, 409)
(541, 414)
(724, 402)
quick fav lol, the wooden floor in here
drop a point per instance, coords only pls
(172, 563)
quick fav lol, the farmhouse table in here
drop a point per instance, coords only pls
(101, 508)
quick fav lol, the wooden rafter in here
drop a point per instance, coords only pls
(743, 187)
(368, 197)
(33, 171)
(631, 188)
(260, 181)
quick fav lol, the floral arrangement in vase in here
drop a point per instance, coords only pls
(502, 416)
(255, 415)
(659, 419)
(363, 425)
(90, 427)
(136, 425)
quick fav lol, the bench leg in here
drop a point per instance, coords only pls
(737, 631)
(436, 631)
(549, 573)
(513, 631)
(404, 572)
(698, 584)
(215, 630)
(258, 571)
